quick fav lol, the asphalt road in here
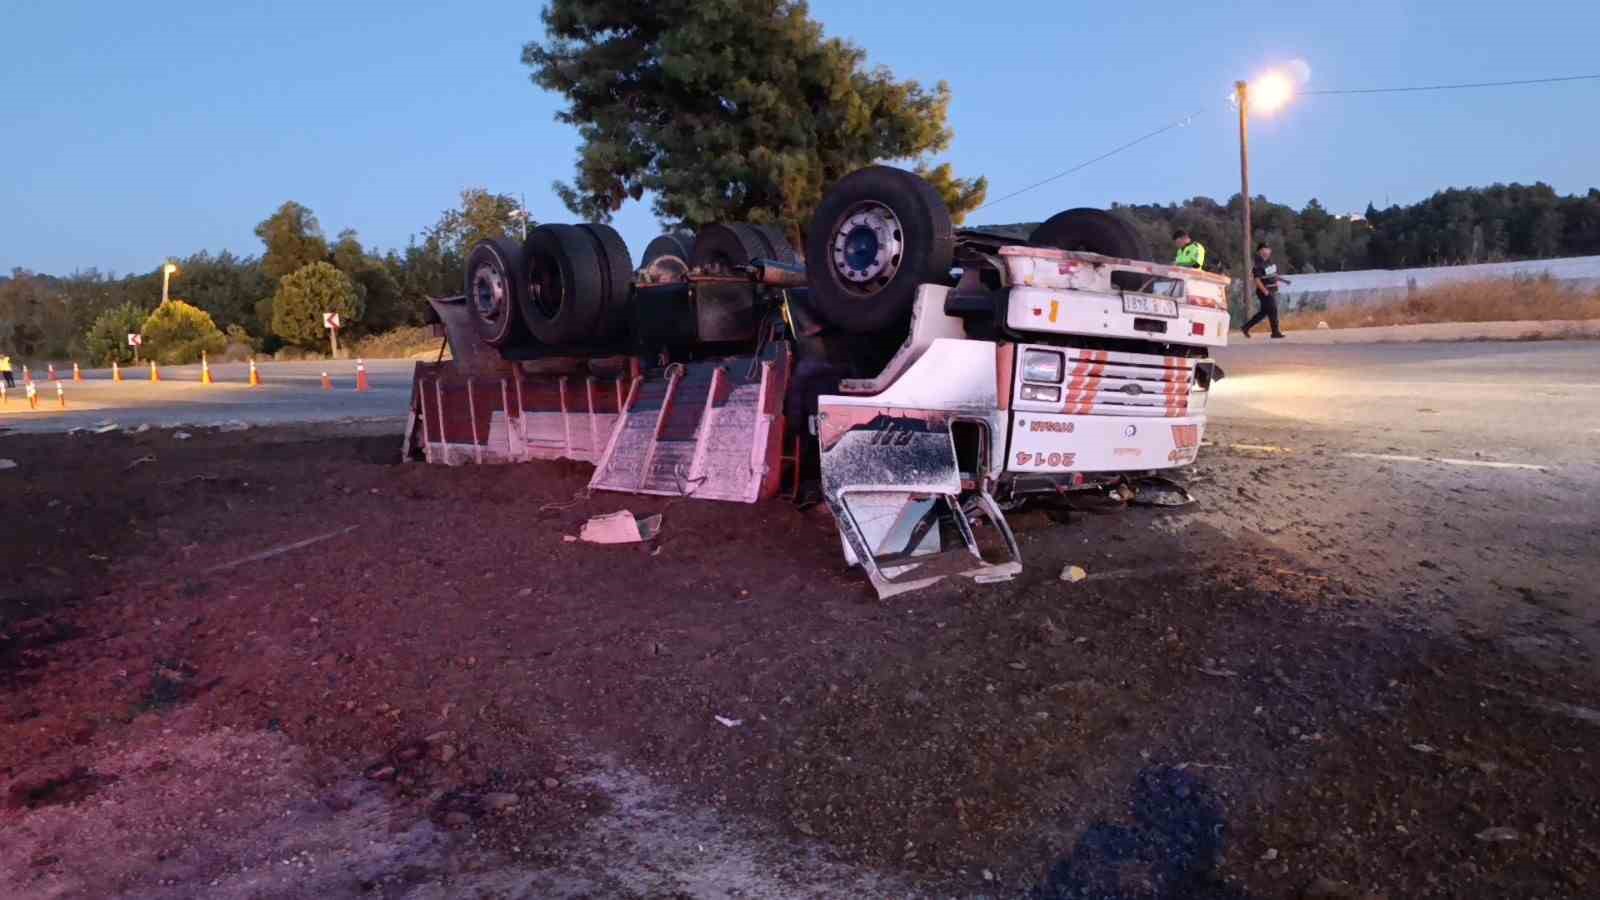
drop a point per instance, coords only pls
(1459, 481)
(290, 392)
(1525, 403)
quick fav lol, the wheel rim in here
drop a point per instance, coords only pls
(867, 247)
(489, 291)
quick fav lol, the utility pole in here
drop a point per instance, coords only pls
(1247, 253)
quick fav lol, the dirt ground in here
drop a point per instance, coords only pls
(444, 697)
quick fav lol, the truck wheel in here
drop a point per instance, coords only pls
(778, 246)
(494, 291)
(1090, 231)
(878, 235)
(667, 257)
(723, 247)
(563, 286)
(616, 276)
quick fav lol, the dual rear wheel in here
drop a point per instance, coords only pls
(879, 234)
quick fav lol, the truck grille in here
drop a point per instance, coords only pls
(1106, 383)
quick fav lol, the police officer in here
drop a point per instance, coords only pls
(1266, 278)
(5, 370)
(1191, 253)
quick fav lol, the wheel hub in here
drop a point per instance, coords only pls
(867, 246)
(488, 291)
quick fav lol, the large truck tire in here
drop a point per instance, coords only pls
(666, 258)
(678, 244)
(878, 235)
(494, 291)
(778, 246)
(725, 247)
(616, 276)
(1090, 231)
(564, 287)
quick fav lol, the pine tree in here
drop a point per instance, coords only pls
(726, 109)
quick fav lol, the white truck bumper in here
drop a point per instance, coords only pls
(1050, 444)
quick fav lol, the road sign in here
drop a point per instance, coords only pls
(330, 320)
(135, 340)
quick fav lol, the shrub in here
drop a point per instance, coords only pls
(304, 295)
(107, 339)
(177, 333)
(399, 343)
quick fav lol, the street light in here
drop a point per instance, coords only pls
(1271, 92)
(166, 278)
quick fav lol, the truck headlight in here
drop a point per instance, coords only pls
(1041, 365)
(1040, 393)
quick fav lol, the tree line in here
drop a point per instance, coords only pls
(261, 303)
(1459, 226)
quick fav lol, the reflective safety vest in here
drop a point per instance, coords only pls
(5, 363)
(1191, 255)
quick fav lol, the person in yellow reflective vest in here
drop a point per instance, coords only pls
(1191, 253)
(5, 371)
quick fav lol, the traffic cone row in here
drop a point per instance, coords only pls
(363, 384)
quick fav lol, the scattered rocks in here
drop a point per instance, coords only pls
(181, 435)
(382, 773)
(1499, 834)
(1073, 574)
(551, 784)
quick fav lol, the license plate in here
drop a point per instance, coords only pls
(1150, 306)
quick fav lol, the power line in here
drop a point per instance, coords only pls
(1457, 87)
(1187, 119)
(1086, 163)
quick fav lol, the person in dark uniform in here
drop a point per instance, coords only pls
(1266, 279)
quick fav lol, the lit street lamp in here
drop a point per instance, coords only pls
(1271, 91)
(166, 278)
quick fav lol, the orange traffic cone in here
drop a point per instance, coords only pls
(33, 396)
(205, 369)
(361, 376)
(327, 383)
(61, 395)
(255, 377)
(51, 372)
(77, 373)
(154, 375)
(116, 371)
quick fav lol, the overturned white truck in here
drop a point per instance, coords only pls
(928, 377)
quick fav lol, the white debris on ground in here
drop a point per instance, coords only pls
(621, 527)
